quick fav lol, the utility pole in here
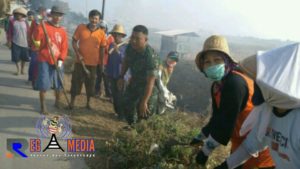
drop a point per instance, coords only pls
(103, 7)
(86, 13)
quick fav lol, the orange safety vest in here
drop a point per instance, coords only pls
(264, 159)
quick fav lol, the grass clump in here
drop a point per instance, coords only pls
(161, 142)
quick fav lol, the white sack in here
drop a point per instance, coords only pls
(278, 76)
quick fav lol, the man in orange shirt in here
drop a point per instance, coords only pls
(89, 43)
(47, 74)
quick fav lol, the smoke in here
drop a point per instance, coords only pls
(35, 4)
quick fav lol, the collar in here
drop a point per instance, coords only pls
(89, 27)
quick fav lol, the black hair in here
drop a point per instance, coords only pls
(257, 98)
(95, 12)
(29, 13)
(140, 28)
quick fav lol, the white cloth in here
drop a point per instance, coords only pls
(282, 137)
(278, 76)
(166, 98)
(59, 63)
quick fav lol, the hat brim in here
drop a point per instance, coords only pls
(197, 61)
(173, 58)
(218, 50)
(58, 12)
(118, 33)
(20, 13)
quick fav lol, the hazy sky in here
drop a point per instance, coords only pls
(260, 18)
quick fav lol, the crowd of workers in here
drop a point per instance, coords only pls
(136, 78)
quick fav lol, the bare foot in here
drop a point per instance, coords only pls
(17, 73)
(44, 111)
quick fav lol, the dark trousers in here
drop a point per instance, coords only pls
(131, 101)
(116, 95)
(102, 77)
(32, 69)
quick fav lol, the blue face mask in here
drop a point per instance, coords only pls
(216, 72)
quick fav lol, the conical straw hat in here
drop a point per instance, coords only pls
(118, 28)
(214, 43)
(21, 11)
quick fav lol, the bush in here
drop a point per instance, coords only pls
(157, 143)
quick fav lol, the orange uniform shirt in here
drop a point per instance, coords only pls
(58, 40)
(89, 44)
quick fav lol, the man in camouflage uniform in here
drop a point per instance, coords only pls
(141, 95)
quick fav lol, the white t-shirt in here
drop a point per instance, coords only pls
(20, 33)
(282, 137)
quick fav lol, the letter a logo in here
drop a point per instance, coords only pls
(53, 144)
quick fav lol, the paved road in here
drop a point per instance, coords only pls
(19, 106)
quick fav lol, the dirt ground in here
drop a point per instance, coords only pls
(99, 123)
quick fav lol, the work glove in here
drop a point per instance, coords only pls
(198, 140)
(222, 166)
(59, 63)
(201, 158)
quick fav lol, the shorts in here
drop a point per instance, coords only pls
(79, 77)
(48, 77)
(19, 53)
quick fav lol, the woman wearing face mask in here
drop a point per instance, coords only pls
(231, 93)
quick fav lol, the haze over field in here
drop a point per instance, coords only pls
(259, 18)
